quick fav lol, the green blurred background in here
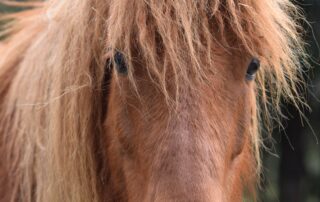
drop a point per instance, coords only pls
(291, 165)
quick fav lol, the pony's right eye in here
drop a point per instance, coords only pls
(252, 69)
(120, 63)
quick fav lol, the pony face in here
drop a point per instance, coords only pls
(198, 152)
(181, 120)
(181, 106)
(196, 149)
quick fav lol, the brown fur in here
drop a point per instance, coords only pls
(182, 126)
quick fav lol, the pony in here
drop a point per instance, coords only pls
(142, 100)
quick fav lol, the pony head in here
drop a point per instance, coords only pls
(146, 100)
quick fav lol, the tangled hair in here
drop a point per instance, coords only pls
(52, 67)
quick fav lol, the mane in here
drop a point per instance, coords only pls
(50, 121)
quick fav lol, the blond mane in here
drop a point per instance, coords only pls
(52, 67)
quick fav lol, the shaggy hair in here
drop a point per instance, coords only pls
(52, 67)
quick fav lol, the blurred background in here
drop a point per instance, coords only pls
(291, 164)
(291, 170)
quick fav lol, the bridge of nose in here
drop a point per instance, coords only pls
(191, 188)
(185, 168)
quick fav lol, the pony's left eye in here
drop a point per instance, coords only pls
(252, 69)
(120, 63)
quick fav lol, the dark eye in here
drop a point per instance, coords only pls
(252, 69)
(120, 63)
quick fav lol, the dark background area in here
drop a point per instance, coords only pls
(291, 165)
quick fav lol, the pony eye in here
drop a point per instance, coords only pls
(252, 69)
(120, 63)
